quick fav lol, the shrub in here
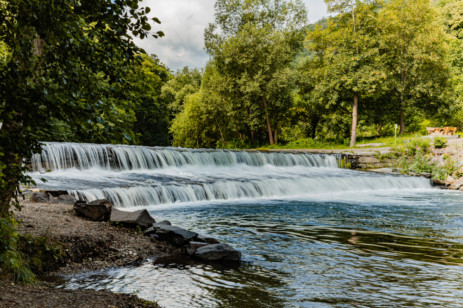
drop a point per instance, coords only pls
(440, 142)
(12, 265)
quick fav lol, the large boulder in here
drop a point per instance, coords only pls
(173, 234)
(40, 197)
(97, 210)
(218, 252)
(141, 218)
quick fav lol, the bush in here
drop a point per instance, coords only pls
(12, 264)
(440, 142)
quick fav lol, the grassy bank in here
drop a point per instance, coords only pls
(309, 143)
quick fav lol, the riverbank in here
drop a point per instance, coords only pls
(75, 244)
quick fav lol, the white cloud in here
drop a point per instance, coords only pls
(183, 23)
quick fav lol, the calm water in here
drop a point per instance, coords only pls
(311, 235)
(398, 249)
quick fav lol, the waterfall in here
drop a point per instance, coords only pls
(61, 156)
(236, 190)
(131, 176)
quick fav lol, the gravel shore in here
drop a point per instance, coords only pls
(88, 245)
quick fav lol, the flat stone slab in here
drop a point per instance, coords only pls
(218, 252)
(141, 218)
(97, 210)
(173, 234)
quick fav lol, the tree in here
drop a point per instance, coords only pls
(346, 57)
(143, 92)
(414, 49)
(253, 43)
(204, 120)
(451, 12)
(59, 49)
(184, 83)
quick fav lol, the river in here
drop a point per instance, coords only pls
(311, 234)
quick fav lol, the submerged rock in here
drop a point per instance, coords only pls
(173, 234)
(40, 197)
(218, 252)
(140, 218)
(97, 210)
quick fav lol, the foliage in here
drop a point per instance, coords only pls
(41, 253)
(439, 142)
(416, 157)
(65, 64)
(182, 84)
(253, 43)
(143, 96)
(12, 264)
(414, 49)
(62, 62)
(345, 60)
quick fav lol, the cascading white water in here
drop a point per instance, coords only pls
(58, 156)
(144, 176)
(233, 190)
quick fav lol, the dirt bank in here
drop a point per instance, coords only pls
(84, 245)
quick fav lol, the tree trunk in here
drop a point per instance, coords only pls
(378, 131)
(402, 122)
(313, 127)
(275, 136)
(353, 136)
(402, 104)
(10, 175)
(269, 127)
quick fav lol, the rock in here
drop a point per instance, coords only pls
(40, 196)
(449, 180)
(437, 182)
(191, 249)
(457, 184)
(65, 199)
(173, 234)
(151, 229)
(218, 252)
(426, 175)
(97, 210)
(57, 193)
(164, 222)
(209, 240)
(140, 218)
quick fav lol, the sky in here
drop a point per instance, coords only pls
(183, 23)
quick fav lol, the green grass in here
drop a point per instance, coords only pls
(309, 143)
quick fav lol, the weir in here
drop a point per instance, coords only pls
(137, 176)
(59, 156)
